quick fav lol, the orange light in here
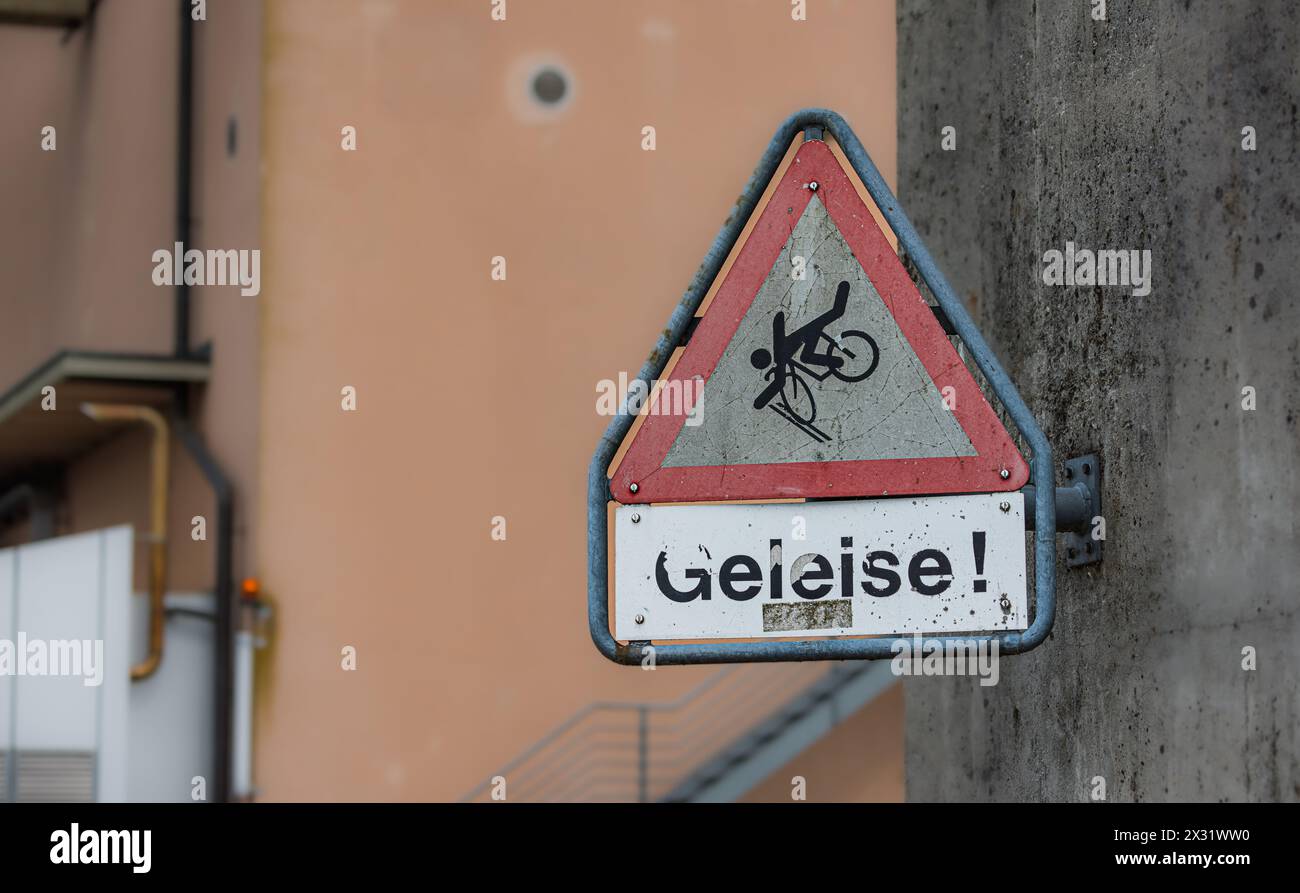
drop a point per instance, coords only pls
(250, 587)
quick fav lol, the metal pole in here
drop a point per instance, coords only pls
(223, 592)
(184, 165)
(159, 468)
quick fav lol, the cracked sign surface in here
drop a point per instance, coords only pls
(894, 412)
(939, 564)
(824, 372)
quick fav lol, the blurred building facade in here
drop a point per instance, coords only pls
(383, 405)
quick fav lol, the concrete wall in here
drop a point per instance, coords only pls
(1127, 134)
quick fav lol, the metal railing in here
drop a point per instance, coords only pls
(643, 751)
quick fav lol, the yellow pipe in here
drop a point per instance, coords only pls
(113, 412)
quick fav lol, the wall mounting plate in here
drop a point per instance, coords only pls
(1080, 547)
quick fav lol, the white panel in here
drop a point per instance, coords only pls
(7, 604)
(669, 568)
(241, 735)
(114, 694)
(171, 735)
(58, 601)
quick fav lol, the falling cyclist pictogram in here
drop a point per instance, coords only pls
(852, 357)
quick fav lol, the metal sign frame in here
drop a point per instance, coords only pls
(598, 492)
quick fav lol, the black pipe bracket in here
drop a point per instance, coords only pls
(1078, 506)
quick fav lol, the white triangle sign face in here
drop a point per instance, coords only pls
(824, 372)
(807, 419)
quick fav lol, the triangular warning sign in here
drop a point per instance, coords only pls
(824, 372)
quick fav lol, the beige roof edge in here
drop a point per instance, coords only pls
(120, 367)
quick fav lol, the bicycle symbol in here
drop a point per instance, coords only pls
(851, 357)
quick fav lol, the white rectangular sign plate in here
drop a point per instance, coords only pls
(934, 564)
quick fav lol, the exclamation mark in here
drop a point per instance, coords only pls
(977, 541)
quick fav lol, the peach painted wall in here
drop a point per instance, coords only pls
(860, 762)
(227, 203)
(477, 398)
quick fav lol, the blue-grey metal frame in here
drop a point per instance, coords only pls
(598, 494)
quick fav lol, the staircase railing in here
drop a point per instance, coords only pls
(645, 751)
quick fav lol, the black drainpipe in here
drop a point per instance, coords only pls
(225, 620)
(184, 158)
(222, 488)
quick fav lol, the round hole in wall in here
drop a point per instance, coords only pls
(540, 89)
(550, 85)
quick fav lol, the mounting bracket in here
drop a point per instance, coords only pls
(1077, 504)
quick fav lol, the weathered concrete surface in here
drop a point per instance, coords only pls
(1127, 134)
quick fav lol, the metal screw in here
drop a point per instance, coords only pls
(633, 487)
(1004, 474)
(813, 186)
(1005, 603)
(1005, 506)
(640, 618)
(636, 518)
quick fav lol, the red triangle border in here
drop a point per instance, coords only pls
(997, 466)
